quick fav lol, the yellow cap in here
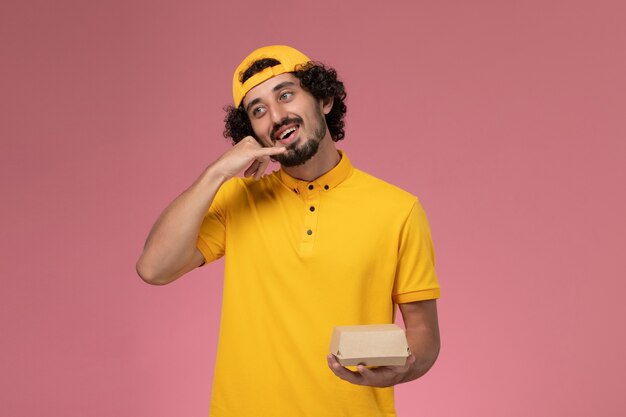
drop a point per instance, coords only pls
(289, 58)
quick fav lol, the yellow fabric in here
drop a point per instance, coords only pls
(290, 59)
(286, 289)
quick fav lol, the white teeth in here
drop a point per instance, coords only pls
(286, 132)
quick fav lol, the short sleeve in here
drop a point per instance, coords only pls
(211, 237)
(416, 279)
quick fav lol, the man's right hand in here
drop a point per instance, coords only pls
(246, 153)
(170, 249)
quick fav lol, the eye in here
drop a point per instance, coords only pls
(258, 111)
(285, 95)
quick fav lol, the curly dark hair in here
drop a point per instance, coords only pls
(317, 79)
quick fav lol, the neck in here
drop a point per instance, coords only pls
(323, 161)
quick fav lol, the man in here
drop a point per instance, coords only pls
(311, 246)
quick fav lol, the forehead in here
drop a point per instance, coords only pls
(268, 87)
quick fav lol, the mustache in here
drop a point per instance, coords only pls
(284, 122)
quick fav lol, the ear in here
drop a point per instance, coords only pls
(327, 104)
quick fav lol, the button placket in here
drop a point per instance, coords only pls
(309, 233)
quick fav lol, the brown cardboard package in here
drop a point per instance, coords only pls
(371, 344)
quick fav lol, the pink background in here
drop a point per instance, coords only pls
(506, 118)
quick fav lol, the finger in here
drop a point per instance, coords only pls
(261, 169)
(367, 373)
(333, 361)
(410, 360)
(269, 151)
(341, 372)
(249, 139)
(252, 168)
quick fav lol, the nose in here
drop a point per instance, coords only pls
(277, 113)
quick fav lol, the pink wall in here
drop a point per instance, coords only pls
(506, 118)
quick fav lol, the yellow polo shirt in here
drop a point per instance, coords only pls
(300, 258)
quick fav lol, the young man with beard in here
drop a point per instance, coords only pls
(316, 244)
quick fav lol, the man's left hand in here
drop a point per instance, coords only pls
(422, 334)
(382, 376)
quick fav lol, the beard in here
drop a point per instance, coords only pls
(298, 154)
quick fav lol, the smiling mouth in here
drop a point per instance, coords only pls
(286, 128)
(288, 132)
(288, 135)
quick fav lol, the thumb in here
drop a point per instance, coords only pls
(410, 360)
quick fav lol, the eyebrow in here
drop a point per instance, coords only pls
(276, 88)
(282, 85)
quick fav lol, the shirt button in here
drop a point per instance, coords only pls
(326, 187)
(309, 232)
(310, 186)
(312, 208)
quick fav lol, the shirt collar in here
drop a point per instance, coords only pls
(326, 182)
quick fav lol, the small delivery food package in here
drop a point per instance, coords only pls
(370, 345)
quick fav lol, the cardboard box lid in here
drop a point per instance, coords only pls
(369, 341)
